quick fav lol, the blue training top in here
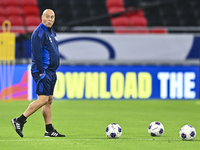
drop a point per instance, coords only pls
(44, 50)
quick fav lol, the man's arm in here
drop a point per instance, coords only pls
(37, 45)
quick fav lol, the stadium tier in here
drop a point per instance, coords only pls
(25, 15)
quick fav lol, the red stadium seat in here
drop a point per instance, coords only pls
(115, 9)
(2, 18)
(25, 3)
(11, 3)
(32, 22)
(1, 11)
(31, 11)
(13, 11)
(111, 3)
(140, 13)
(17, 24)
(120, 22)
(1, 3)
(138, 21)
(16, 20)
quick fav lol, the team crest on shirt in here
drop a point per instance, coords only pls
(56, 38)
(50, 39)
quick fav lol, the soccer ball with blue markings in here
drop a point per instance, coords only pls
(156, 128)
(113, 130)
(187, 133)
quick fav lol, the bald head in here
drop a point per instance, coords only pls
(48, 17)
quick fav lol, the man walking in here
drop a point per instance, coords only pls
(45, 61)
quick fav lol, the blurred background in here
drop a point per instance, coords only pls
(110, 49)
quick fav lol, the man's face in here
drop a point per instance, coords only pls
(48, 18)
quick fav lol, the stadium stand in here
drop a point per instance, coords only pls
(144, 13)
(25, 3)
(113, 3)
(136, 21)
(42, 4)
(31, 23)
(133, 18)
(31, 11)
(120, 21)
(17, 12)
(1, 3)
(7, 3)
(17, 24)
(97, 8)
(116, 9)
(133, 3)
(1, 11)
(13, 11)
(113, 16)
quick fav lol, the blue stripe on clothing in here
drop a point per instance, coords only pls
(45, 57)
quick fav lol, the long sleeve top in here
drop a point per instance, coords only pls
(44, 50)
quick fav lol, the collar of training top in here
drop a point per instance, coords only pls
(44, 27)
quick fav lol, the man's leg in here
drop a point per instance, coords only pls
(47, 114)
(18, 123)
(34, 106)
(46, 111)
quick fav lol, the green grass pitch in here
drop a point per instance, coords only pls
(84, 123)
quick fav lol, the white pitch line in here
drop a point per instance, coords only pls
(21, 140)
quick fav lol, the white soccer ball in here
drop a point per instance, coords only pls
(187, 132)
(113, 130)
(156, 128)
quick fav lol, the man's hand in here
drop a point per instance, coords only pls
(41, 74)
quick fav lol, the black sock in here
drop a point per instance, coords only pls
(22, 118)
(49, 127)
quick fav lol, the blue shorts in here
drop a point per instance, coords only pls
(45, 84)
